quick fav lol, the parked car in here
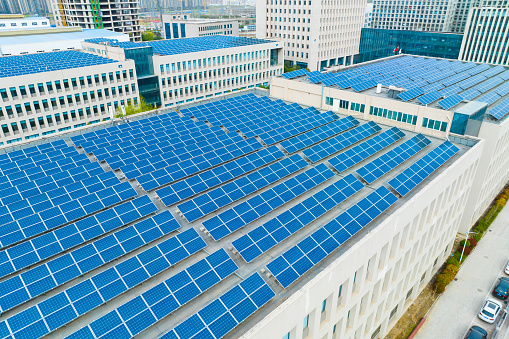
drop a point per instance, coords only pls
(490, 310)
(501, 290)
(476, 332)
(507, 268)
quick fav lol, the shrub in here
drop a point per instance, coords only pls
(451, 268)
(467, 251)
(473, 242)
(501, 202)
(444, 278)
(462, 243)
(453, 261)
(439, 288)
(457, 255)
(477, 237)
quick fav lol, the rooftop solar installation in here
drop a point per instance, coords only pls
(264, 183)
(500, 110)
(17, 65)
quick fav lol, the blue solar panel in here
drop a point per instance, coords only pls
(337, 143)
(489, 84)
(271, 233)
(222, 196)
(312, 137)
(427, 99)
(295, 74)
(42, 247)
(259, 205)
(450, 101)
(390, 160)
(406, 181)
(222, 315)
(502, 89)
(143, 311)
(489, 98)
(500, 110)
(448, 91)
(199, 183)
(90, 293)
(354, 155)
(300, 258)
(470, 94)
(411, 94)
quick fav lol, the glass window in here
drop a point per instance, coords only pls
(425, 122)
(324, 303)
(306, 322)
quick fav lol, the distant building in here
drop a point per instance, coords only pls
(316, 34)
(51, 39)
(178, 71)
(181, 26)
(114, 15)
(381, 43)
(368, 15)
(486, 37)
(17, 23)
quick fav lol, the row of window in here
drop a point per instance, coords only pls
(393, 115)
(67, 101)
(193, 64)
(211, 95)
(434, 124)
(345, 104)
(283, 2)
(57, 85)
(214, 27)
(24, 24)
(293, 28)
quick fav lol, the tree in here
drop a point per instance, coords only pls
(131, 109)
(147, 36)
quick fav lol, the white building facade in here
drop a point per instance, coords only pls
(179, 26)
(486, 37)
(115, 15)
(316, 34)
(36, 105)
(24, 24)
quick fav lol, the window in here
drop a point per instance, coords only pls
(286, 336)
(329, 101)
(324, 303)
(306, 322)
(343, 104)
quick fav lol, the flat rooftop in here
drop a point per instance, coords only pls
(17, 65)
(248, 126)
(187, 45)
(433, 82)
(49, 36)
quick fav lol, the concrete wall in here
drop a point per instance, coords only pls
(383, 270)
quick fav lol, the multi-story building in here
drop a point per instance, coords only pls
(368, 15)
(316, 34)
(381, 43)
(114, 15)
(174, 72)
(42, 94)
(461, 14)
(51, 39)
(486, 37)
(427, 15)
(14, 7)
(16, 23)
(180, 26)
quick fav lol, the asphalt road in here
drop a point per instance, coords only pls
(456, 310)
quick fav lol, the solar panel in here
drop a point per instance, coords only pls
(314, 136)
(493, 71)
(143, 311)
(364, 85)
(435, 86)
(337, 143)
(354, 155)
(406, 181)
(299, 259)
(502, 89)
(294, 74)
(500, 110)
(259, 205)
(489, 98)
(428, 98)
(488, 84)
(274, 231)
(449, 91)
(470, 94)
(455, 78)
(80, 299)
(411, 94)
(194, 185)
(471, 81)
(222, 196)
(222, 315)
(450, 101)
(390, 160)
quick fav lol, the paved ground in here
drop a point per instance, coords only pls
(457, 308)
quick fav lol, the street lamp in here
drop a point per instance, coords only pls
(466, 239)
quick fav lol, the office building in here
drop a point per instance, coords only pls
(316, 34)
(114, 15)
(180, 26)
(381, 43)
(13, 23)
(368, 15)
(486, 37)
(270, 244)
(51, 39)
(174, 72)
(25, 7)
(47, 93)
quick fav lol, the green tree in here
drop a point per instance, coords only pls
(147, 36)
(131, 109)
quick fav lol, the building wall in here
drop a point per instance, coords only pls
(486, 37)
(381, 43)
(174, 27)
(233, 70)
(27, 119)
(23, 24)
(369, 285)
(316, 34)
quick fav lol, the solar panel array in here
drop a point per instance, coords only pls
(72, 228)
(500, 110)
(295, 74)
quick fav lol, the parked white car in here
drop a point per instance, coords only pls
(490, 310)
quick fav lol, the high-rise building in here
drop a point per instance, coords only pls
(182, 26)
(461, 14)
(41, 7)
(115, 15)
(316, 34)
(486, 37)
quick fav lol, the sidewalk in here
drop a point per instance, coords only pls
(453, 313)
